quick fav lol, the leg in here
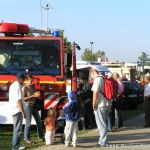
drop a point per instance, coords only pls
(101, 115)
(47, 137)
(147, 111)
(68, 131)
(118, 116)
(52, 137)
(110, 119)
(74, 133)
(28, 111)
(36, 116)
(17, 124)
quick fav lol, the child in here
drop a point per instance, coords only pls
(60, 125)
(60, 122)
(50, 126)
(71, 109)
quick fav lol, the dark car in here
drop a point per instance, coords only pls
(132, 95)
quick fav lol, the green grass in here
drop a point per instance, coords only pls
(6, 131)
(6, 138)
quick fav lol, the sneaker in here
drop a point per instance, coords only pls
(28, 141)
(21, 147)
(74, 145)
(67, 144)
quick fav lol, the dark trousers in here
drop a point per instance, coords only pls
(147, 110)
(115, 115)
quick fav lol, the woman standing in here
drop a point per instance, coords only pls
(30, 97)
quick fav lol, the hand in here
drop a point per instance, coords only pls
(36, 94)
(94, 107)
(23, 115)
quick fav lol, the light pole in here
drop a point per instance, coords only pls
(74, 71)
(91, 51)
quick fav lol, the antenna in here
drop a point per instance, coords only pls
(41, 14)
(46, 8)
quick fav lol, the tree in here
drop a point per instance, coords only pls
(67, 44)
(144, 59)
(99, 53)
(89, 56)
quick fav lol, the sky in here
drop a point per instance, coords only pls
(120, 28)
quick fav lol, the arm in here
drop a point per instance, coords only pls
(29, 97)
(95, 97)
(19, 103)
(95, 89)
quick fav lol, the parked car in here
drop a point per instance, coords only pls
(132, 95)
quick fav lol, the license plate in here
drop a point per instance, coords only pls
(132, 95)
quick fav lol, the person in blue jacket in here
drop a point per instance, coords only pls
(71, 109)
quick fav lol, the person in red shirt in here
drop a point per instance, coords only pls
(50, 126)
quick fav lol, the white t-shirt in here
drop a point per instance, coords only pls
(15, 94)
(147, 90)
(98, 85)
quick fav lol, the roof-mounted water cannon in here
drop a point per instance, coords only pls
(39, 31)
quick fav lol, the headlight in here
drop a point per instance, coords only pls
(4, 87)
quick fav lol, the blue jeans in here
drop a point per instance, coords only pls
(101, 116)
(30, 110)
(17, 124)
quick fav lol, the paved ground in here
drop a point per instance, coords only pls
(131, 136)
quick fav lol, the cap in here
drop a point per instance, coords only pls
(20, 75)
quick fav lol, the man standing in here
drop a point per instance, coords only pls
(101, 107)
(147, 101)
(16, 102)
(86, 97)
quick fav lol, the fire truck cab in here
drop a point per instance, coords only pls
(37, 51)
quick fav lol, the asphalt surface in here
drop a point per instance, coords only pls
(131, 136)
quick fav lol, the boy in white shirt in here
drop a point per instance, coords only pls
(101, 108)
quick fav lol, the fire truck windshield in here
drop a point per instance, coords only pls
(38, 56)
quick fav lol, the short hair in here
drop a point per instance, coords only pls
(29, 76)
(20, 76)
(147, 77)
(51, 112)
(96, 71)
(82, 77)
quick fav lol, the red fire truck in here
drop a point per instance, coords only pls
(25, 49)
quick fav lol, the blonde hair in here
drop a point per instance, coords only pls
(51, 112)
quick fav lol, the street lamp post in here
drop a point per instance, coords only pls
(74, 72)
(91, 51)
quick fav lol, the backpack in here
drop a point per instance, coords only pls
(110, 88)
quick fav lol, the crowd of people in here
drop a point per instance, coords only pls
(89, 108)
